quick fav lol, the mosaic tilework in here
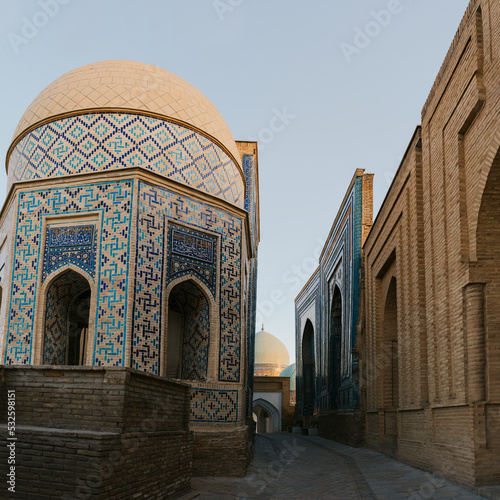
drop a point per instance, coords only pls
(336, 384)
(196, 329)
(249, 170)
(59, 296)
(155, 205)
(192, 252)
(105, 141)
(70, 244)
(112, 201)
(210, 405)
(252, 306)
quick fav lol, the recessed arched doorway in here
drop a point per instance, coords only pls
(336, 345)
(268, 417)
(484, 337)
(390, 365)
(308, 368)
(188, 332)
(66, 322)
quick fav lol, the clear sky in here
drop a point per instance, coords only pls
(326, 86)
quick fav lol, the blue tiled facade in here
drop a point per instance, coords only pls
(132, 241)
(329, 304)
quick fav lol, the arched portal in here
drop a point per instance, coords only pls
(66, 320)
(488, 257)
(188, 332)
(336, 345)
(390, 347)
(268, 417)
(308, 368)
(389, 362)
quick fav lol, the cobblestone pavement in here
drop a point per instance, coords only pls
(291, 466)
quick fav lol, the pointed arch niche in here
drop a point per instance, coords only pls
(308, 367)
(66, 320)
(189, 335)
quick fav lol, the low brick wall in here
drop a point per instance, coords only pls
(222, 452)
(97, 433)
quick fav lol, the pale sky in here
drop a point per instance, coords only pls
(325, 86)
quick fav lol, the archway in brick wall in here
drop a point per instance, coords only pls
(268, 417)
(188, 332)
(390, 364)
(308, 368)
(335, 346)
(488, 257)
(67, 320)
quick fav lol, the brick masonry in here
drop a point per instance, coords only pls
(429, 343)
(96, 433)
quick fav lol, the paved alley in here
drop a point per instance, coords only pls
(290, 466)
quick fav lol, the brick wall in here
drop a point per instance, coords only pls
(437, 236)
(96, 433)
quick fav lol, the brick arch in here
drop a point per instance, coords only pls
(491, 162)
(487, 272)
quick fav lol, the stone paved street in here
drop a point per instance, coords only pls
(291, 466)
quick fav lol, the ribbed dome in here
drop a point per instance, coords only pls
(128, 85)
(270, 350)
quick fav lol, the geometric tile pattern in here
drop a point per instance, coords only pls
(336, 384)
(192, 252)
(252, 306)
(196, 329)
(210, 405)
(250, 172)
(105, 141)
(63, 290)
(157, 206)
(111, 201)
(70, 244)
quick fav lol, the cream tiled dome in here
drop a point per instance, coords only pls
(270, 350)
(128, 85)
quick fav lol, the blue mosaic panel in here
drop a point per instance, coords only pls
(249, 170)
(155, 205)
(70, 244)
(59, 296)
(109, 141)
(192, 252)
(210, 405)
(112, 201)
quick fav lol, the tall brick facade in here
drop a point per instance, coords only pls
(429, 340)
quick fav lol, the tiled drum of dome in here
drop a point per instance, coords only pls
(104, 141)
(112, 203)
